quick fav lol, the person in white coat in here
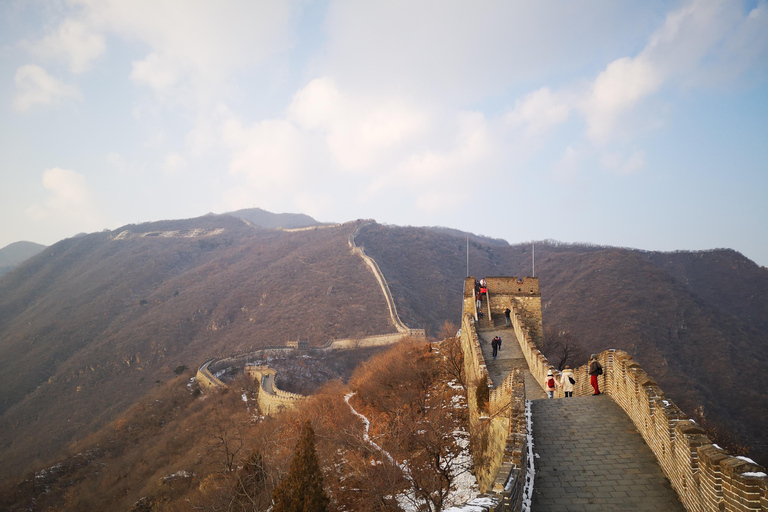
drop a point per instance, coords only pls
(567, 380)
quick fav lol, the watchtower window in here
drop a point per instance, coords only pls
(519, 289)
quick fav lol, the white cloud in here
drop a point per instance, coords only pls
(686, 51)
(621, 165)
(465, 150)
(157, 73)
(73, 41)
(270, 158)
(174, 163)
(540, 110)
(36, 88)
(71, 202)
(457, 51)
(196, 43)
(359, 131)
(567, 168)
(618, 89)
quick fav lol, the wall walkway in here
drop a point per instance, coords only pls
(705, 477)
(591, 458)
(379, 275)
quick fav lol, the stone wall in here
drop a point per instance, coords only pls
(497, 429)
(514, 285)
(206, 379)
(705, 477)
(271, 399)
(379, 275)
(376, 340)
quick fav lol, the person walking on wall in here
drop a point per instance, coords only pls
(595, 369)
(567, 381)
(507, 316)
(550, 383)
(496, 344)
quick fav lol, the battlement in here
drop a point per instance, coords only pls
(705, 477)
(514, 286)
(298, 345)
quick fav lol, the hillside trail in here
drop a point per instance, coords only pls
(589, 455)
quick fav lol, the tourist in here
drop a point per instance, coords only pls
(550, 384)
(508, 316)
(567, 381)
(496, 344)
(595, 369)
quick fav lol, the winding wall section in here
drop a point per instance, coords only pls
(705, 476)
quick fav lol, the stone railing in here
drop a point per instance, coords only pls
(376, 340)
(273, 400)
(206, 379)
(705, 477)
(498, 429)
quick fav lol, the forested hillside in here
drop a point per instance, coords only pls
(96, 324)
(93, 323)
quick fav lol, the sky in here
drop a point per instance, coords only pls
(635, 124)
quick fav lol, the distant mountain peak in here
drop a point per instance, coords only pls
(269, 220)
(13, 254)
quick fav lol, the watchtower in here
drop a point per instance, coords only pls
(519, 294)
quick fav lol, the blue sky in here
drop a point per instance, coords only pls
(636, 124)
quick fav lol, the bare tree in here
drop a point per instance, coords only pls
(561, 348)
(453, 355)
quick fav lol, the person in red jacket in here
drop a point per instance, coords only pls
(595, 369)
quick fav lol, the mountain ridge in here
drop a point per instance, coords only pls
(93, 323)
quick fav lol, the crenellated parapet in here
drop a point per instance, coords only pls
(272, 400)
(705, 477)
(498, 428)
(206, 379)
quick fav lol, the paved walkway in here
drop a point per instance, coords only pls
(508, 357)
(591, 458)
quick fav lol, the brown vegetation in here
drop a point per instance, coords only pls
(179, 450)
(91, 325)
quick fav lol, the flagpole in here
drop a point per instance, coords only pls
(467, 256)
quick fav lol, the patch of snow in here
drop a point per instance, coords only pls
(758, 474)
(179, 474)
(716, 446)
(530, 474)
(746, 459)
(244, 397)
(368, 439)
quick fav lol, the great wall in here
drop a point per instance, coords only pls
(704, 476)
(271, 399)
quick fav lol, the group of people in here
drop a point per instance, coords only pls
(480, 290)
(568, 380)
